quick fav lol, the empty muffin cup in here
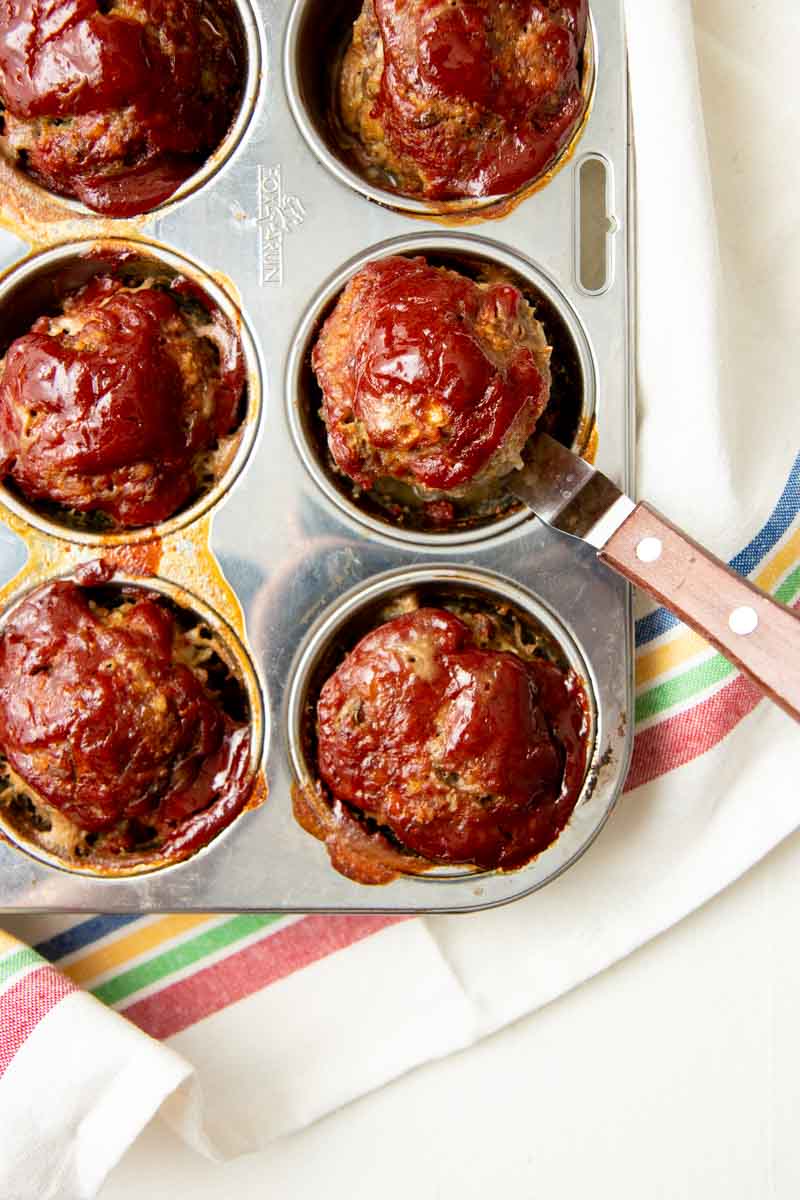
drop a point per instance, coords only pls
(489, 633)
(131, 407)
(389, 508)
(318, 37)
(149, 724)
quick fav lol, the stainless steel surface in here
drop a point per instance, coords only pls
(569, 493)
(283, 228)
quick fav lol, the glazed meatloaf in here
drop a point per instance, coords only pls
(125, 405)
(458, 98)
(117, 102)
(429, 378)
(123, 736)
(445, 737)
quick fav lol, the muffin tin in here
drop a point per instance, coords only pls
(278, 554)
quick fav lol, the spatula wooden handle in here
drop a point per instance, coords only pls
(756, 633)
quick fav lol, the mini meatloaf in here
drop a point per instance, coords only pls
(429, 378)
(125, 405)
(459, 98)
(116, 102)
(120, 738)
(445, 737)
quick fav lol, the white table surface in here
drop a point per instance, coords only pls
(674, 1074)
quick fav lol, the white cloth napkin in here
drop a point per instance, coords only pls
(77, 1083)
(719, 426)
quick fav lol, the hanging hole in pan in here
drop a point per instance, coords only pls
(595, 225)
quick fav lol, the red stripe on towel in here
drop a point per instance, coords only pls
(23, 1006)
(682, 738)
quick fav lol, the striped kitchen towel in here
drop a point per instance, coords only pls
(76, 1083)
(284, 1018)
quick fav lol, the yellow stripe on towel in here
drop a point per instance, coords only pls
(122, 950)
(780, 564)
(7, 942)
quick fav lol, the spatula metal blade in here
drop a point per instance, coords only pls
(568, 493)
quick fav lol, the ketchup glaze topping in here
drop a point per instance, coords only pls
(425, 374)
(117, 103)
(102, 719)
(111, 406)
(474, 98)
(463, 754)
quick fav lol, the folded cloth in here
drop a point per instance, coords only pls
(285, 1018)
(77, 1083)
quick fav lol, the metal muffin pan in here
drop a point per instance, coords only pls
(276, 230)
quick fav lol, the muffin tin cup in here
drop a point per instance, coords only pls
(64, 208)
(275, 554)
(356, 613)
(238, 661)
(473, 255)
(40, 282)
(316, 30)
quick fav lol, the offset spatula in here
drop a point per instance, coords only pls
(759, 635)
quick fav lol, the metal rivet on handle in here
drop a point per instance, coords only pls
(649, 549)
(743, 620)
